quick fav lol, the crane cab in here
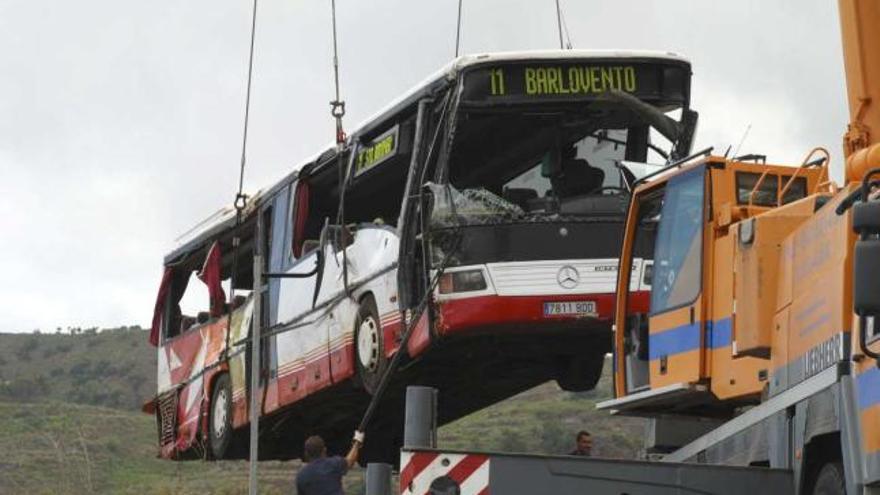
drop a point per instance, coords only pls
(700, 344)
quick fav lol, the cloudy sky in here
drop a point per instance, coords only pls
(120, 120)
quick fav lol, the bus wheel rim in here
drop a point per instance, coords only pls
(220, 409)
(368, 343)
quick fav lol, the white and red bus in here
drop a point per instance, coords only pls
(485, 207)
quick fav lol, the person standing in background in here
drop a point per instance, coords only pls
(583, 445)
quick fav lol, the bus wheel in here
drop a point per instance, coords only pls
(220, 419)
(369, 342)
(580, 374)
(830, 480)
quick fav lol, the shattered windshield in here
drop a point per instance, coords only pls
(477, 205)
(533, 166)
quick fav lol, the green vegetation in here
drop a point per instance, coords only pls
(113, 368)
(49, 447)
(545, 420)
(71, 423)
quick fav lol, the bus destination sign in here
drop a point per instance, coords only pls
(524, 82)
(376, 151)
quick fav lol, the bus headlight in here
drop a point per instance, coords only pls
(463, 281)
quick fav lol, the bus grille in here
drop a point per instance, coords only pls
(545, 278)
(167, 417)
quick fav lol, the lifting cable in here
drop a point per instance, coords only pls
(458, 30)
(337, 111)
(240, 202)
(337, 106)
(563, 27)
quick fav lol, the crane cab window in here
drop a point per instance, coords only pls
(797, 190)
(678, 251)
(769, 189)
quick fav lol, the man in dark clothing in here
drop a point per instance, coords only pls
(322, 475)
(584, 444)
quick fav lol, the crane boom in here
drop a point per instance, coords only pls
(861, 56)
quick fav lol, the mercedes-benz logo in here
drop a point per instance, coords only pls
(568, 277)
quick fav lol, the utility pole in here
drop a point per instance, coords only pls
(253, 408)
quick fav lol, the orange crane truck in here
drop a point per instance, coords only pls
(760, 345)
(757, 358)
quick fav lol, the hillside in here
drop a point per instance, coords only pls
(52, 448)
(72, 426)
(545, 420)
(113, 368)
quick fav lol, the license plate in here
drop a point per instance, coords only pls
(570, 308)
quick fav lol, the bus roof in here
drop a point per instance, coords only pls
(224, 218)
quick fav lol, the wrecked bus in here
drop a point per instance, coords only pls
(484, 208)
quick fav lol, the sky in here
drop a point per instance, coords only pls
(121, 120)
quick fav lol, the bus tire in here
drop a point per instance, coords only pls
(369, 341)
(220, 418)
(580, 373)
(830, 480)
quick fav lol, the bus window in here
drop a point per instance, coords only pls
(589, 168)
(603, 151)
(678, 251)
(299, 214)
(528, 185)
(194, 302)
(539, 163)
(321, 203)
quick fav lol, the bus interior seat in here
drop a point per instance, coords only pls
(519, 196)
(578, 177)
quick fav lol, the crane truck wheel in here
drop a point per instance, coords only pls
(580, 373)
(369, 345)
(220, 418)
(830, 480)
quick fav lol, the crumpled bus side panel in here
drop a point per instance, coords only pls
(187, 366)
(238, 332)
